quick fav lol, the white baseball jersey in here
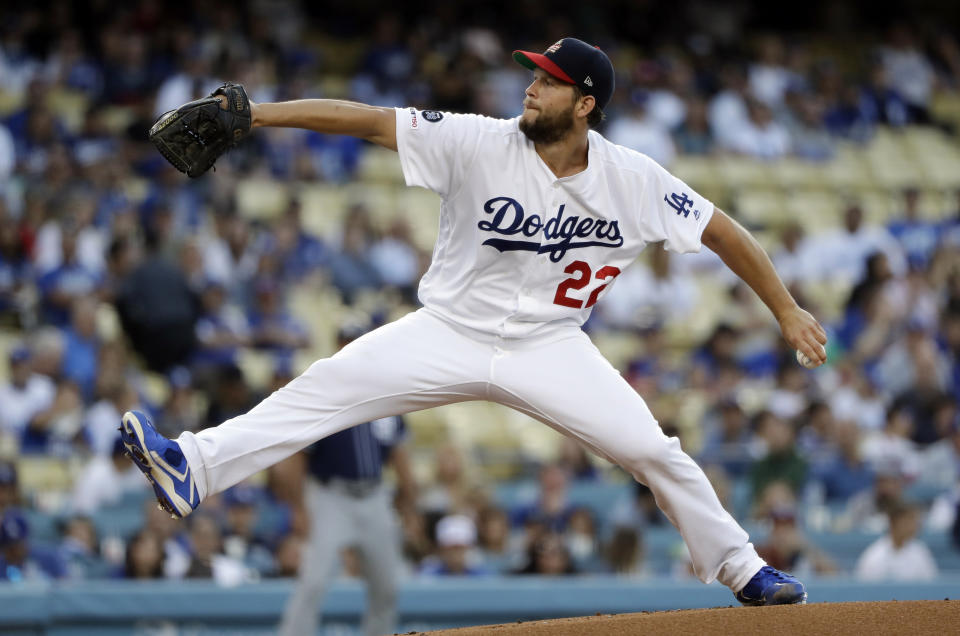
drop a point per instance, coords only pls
(519, 251)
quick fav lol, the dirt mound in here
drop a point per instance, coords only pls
(895, 617)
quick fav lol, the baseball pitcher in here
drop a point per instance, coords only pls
(539, 216)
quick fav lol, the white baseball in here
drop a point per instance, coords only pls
(807, 362)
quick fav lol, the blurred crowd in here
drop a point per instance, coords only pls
(116, 271)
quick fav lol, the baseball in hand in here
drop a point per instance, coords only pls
(807, 362)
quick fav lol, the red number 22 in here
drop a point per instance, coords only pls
(581, 280)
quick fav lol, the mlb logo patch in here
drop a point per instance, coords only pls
(553, 48)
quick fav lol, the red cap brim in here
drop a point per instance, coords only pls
(534, 60)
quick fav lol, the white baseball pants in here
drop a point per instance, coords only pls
(422, 361)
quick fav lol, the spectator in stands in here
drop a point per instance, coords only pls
(106, 481)
(762, 137)
(909, 70)
(207, 559)
(25, 395)
(788, 399)
(456, 540)
(70, 231)
(416, 537)
(181, 412)
(144, 557)
(894, 446)
(173, 538)
(387, 67)
(222, 328)
(67, 282)
(272, 327)
(781, 460)
(868, 510)
(791, 257)
(158, 311)
(493, 540)
(625, 555)
(640, 511)
(191, 81)
(300, 253)
(350, 264)
(574, 459)
(816, 432)
(728, 112)
(777, 494)
(788, 549)
(918, 375)
(880, 102)
(638, 130)
(56, 429)
(918, 237)
(552, 507)
(449, 491)
(809, 138)
(693, 136)
(581, 540)
(8, 155)
(288, 556)
(9, 490)
(844, 473)
(846, 116)
(898, 555)
(728, 440)
(100, 420)
(549, 556)
(82, 344)
(14, 264)
(842, 254)
(231, 396)
(397, 260)
(80, 550)
(940, 461)
(241, 539)
(19, 560)
(858, 398)
(769, 78)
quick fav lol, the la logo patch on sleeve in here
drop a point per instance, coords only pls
(432, 115)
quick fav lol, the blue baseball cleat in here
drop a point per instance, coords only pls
(770, 586)
(162, 461)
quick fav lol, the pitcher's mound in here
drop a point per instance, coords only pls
(891, 617)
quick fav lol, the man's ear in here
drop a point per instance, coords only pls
(586, 105)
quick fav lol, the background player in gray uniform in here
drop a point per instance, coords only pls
(539, 216)
(347, 504)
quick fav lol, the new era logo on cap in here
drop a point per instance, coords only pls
(575, 62)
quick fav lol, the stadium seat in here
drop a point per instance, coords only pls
(817, 211)
(848, 170)
(740, 172)
(759, 207)
(797, 173)
(261, 199)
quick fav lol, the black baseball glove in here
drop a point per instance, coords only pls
(194, 136)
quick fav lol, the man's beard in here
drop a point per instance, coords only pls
(548, 129)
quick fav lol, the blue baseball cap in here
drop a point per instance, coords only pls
(575, 62)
